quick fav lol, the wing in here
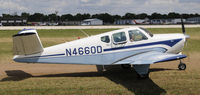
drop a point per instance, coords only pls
(150, 58)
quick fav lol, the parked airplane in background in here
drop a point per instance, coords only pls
(130, 46)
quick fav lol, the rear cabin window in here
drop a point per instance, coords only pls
(105, 39)
(136, 35)
(119, 37)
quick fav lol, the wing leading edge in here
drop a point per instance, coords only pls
(150, 57)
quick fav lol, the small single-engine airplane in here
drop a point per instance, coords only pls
(132, 46)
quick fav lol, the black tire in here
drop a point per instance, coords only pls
(182, 66)
(143, 76)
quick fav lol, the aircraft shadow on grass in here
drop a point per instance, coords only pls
(126, 78)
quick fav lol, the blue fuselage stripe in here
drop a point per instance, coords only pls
(168, 42)
(49, 55)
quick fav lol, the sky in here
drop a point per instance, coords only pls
(119, 7)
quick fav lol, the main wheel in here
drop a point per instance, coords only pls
(182, 66)
(143, 76)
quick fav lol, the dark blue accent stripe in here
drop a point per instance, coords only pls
(48, 55)
(168, 42)
(172, 58)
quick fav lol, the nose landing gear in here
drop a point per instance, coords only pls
(182, 66)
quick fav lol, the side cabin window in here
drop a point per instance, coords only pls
(105, 39)
(136, 35)
(119, 37)
(148, 32)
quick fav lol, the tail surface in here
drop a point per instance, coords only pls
(27, 42)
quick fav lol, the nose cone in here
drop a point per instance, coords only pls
(187, 36)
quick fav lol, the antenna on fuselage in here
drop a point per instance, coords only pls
(84, 33)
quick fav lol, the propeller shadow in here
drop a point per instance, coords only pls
(126, 78)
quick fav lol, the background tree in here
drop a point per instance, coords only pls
(79, 17)
(129, 16)
(141, 16)
(116, 17)
(106, 17)
(67, 17)
(53, 17)
(173, 15)
(36, 17)
(25, 15)
(156, 16)
(6, 15)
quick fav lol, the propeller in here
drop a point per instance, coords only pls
(183, 27)
(184, 32)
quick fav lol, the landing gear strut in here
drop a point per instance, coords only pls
(182, 66)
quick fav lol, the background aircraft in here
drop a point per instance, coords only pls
(127, 47)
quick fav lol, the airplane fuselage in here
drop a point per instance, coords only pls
(107, 48)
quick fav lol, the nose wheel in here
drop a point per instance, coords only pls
(182, 66)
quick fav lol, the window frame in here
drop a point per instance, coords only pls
(147, 31)
(120, 42)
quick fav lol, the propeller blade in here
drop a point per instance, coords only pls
(183, 28)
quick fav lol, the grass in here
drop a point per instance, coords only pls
(161, 81)
(62, 86)
(112, 83)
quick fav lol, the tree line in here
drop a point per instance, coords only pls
(106, 17)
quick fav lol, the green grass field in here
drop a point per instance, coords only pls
(164, 78)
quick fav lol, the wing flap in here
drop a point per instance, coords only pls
(150, 58)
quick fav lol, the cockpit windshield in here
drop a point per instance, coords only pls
(148, 32)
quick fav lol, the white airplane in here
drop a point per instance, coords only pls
(132, 46)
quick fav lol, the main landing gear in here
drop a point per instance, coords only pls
(182, 66)
(143, 76)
